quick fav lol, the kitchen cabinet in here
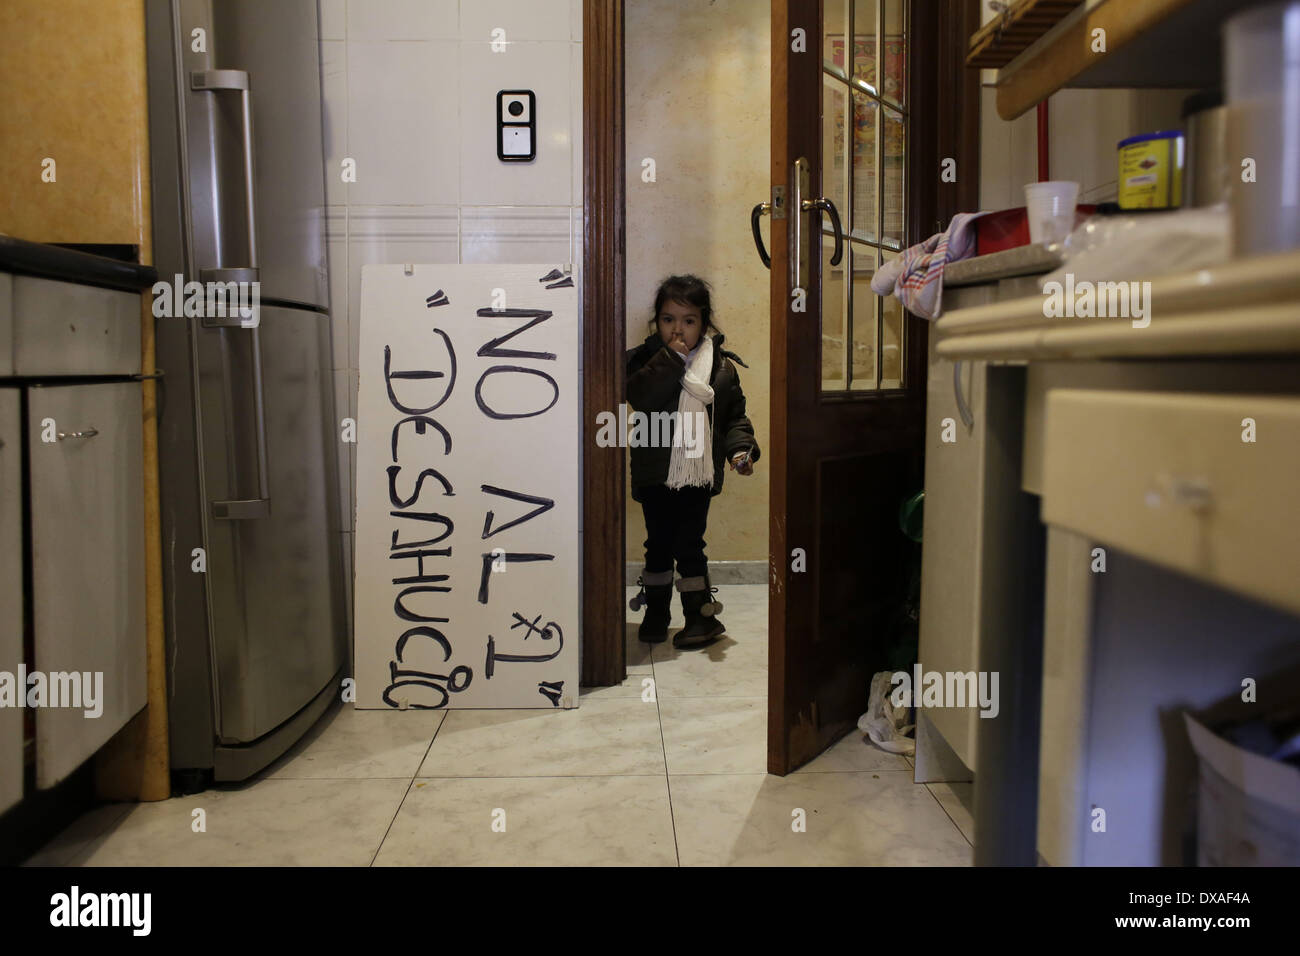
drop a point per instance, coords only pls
(72, 535)
(955, 408)
(969, 405)
(1148, 43)
(1170, 555)
(62, 328)
(87, 519)
(11, 590)
(1199, 482)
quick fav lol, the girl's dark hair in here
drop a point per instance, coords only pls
(686, 290)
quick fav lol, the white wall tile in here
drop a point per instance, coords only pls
(516, 234)
(1084, 129)
(522, 21)
(336, 251)
(575, 118)
(394, 234)
(576, 253)
(995, 154)
(351, 523)
(575, 244)
(1023, 165)
(486, 180)
(403, 105)
(334, 116)
(403, 19)
(333, 20)
(343, 450)
(347, 589)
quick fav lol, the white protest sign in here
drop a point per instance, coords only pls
(466, 556)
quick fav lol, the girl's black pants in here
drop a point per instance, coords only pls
(675, 521)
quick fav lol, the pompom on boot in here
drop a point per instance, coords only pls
(702, 610)
(656, 595)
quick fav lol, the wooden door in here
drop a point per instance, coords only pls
(857, 127)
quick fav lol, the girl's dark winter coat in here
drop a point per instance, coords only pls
(654, 384)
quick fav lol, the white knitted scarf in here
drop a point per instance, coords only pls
(683, 470)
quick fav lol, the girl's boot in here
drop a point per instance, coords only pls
(701, 609)
(657, 595)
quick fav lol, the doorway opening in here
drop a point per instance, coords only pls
(856, 131)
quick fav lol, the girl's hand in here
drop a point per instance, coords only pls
(678, 344)
(741, 463)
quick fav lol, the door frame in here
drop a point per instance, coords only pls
(604, 342)
(953, 133)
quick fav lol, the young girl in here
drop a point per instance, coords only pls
(681, 367)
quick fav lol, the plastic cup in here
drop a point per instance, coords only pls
(1050, 209)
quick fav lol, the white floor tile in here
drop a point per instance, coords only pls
(533, 821)
(267, 823)
(848, 819)
(599, 737)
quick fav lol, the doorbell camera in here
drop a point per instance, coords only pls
(516, 126)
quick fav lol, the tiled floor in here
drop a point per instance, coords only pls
(666, 769)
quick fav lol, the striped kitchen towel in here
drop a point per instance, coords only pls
(916, 276)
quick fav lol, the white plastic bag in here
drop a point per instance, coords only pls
(1141, 246)
(884, 723)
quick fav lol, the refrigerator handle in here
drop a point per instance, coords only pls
(236, 81)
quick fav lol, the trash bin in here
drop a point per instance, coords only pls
(1248, 793)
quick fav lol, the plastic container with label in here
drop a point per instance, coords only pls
(1151, 171)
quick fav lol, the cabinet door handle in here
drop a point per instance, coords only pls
(86, 433)
(1192, 493)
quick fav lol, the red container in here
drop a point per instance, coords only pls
(1009, 228)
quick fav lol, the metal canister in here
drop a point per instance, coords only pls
(1151, 170)
(1205, 180)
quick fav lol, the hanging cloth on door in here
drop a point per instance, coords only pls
(916, 276)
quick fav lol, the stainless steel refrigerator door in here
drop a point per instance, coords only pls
(274, 571)
(276, 45)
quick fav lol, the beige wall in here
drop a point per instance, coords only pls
(698, 103)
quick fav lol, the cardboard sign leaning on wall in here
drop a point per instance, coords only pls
(466, 550)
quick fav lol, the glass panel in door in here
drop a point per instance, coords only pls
(834, 311)
(891, 52)
(863, 218)
(864, 140)
(835, 27)
(893, 134)
(892, 337)
(866, 305)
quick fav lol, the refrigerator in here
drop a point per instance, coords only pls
(254, 600)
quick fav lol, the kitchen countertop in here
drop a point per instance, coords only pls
(71, 265)
(1020, 261)
(1248, 306)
